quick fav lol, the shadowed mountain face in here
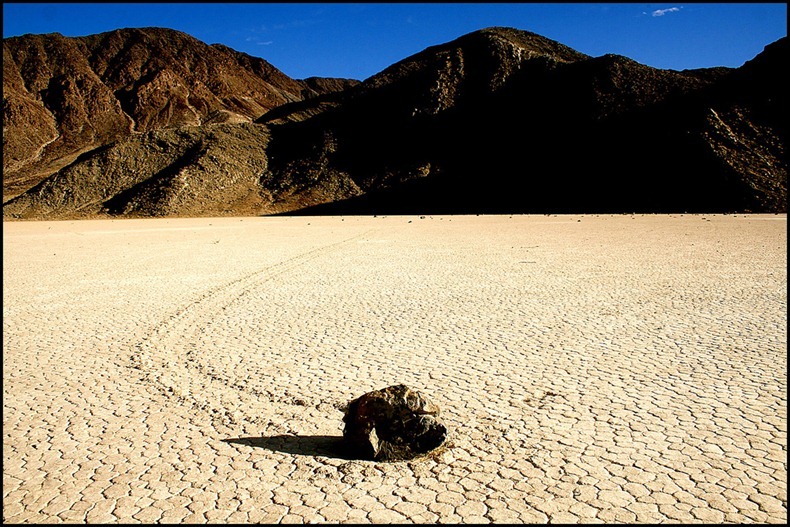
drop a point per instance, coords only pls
(497, 121)
(506, 121)
(65, 96)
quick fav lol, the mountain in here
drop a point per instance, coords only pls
(66, 96)
(502, 120)
(497, 121)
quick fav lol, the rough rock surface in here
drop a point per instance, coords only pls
(393, 424)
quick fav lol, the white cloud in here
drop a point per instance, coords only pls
(662, 12)
(257, 40)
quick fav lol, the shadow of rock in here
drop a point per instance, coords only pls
(327, 446)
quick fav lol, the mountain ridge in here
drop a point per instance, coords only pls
(498, 120)
(78, 93)
(605, 108)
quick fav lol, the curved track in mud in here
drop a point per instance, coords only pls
(173, 355)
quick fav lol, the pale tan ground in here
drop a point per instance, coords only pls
(590, 368)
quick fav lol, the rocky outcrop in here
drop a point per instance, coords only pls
(64, 96)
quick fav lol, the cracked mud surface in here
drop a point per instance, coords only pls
(612, 369)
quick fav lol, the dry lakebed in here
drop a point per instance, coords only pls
(589, 368)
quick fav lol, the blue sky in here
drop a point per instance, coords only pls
(357, 40)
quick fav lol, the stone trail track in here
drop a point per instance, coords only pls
(590, 368)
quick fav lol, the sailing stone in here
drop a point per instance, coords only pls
(392, 424)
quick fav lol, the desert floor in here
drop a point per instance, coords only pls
(590, 368)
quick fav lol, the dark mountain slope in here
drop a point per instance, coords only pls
(484, 124)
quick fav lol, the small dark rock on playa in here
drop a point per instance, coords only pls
(393, 424)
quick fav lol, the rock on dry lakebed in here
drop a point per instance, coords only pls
(393, 424)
